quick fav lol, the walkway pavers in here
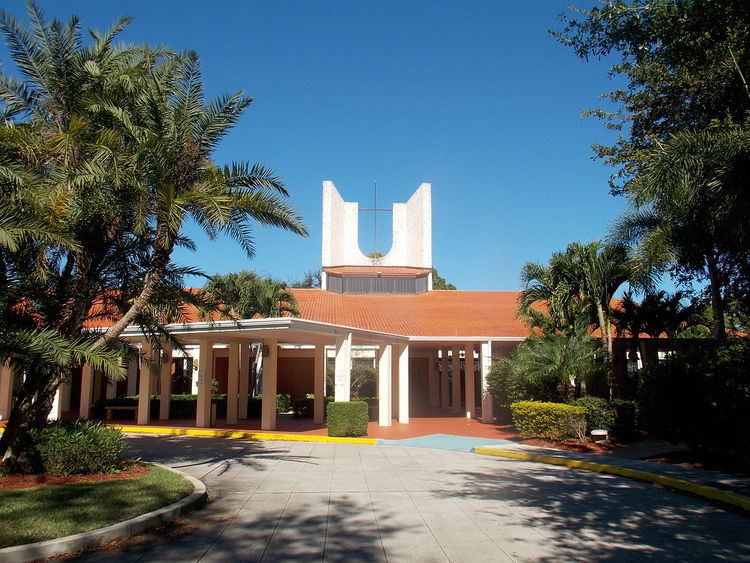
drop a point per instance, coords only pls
(301, 501)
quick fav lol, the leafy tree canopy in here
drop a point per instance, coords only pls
(682, 62)
(439, 282)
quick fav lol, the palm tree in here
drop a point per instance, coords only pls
(175, 136)
(579, 282)
(104, 155)
(549, 367)
(598, 271)
(245, 295)
(658, 314)
(689, 211)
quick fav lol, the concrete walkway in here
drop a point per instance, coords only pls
(303, 501)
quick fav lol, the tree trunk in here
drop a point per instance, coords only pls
(30, 410)
(161, 259)
(717, 302)
(606, 344)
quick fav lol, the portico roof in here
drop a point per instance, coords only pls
(286, 329)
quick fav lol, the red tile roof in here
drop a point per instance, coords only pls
(435, 313)
(375, 270)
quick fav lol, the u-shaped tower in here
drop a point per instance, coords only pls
(412, 232)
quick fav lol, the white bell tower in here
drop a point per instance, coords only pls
(412, 232)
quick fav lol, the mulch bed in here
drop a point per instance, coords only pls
(572, 445)
(129, 470)
(704, 460)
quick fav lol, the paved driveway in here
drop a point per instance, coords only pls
(300, 501)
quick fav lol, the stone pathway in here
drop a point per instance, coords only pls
(275, 501)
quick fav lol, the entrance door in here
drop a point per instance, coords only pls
(221, 373)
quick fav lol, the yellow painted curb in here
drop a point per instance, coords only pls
(706, 491)
(207, 432)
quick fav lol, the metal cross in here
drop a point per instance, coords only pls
(375, 209)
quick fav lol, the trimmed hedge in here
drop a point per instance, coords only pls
(186, 406)
(600, 415)
(78, 447)
(347, 418)
(555, 421)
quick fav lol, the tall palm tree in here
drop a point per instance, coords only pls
(175, 132)
(576, 283)
(108, 148)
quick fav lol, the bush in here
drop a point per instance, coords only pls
(556, 421)
(700, 395)
(347, 418)
(78, 448)
(185, 406)
(283, 403)
(598, 412)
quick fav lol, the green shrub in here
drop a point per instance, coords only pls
(347, 418)
(598, 412)
(556, 421)
(700, 395)
(180, 406)
(78, 448)
(283, 403)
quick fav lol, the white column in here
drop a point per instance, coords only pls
(132, 378)
(148, 364)
(87, 388)
(6, 391)
(485, 364)
(268, 406)
(205, 377)
(245, 363)
(319, 389)
(403, 384)
(456, 383)
(444, 384)
(233, 382)
(65, 391)
(56, 412)
(165, 381)
(471, 409)
(343, 367)
(433, 385)
(385, 371)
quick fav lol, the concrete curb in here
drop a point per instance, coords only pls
(92, 538)
(708, 492)
(239, 434)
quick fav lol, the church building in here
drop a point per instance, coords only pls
(432, 348)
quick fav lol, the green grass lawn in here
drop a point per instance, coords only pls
(43, 513)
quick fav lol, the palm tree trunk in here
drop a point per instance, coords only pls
(717, 302)
(151, 282)
(606, 344)
(30, 410)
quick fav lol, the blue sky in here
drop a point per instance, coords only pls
(475, 98)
